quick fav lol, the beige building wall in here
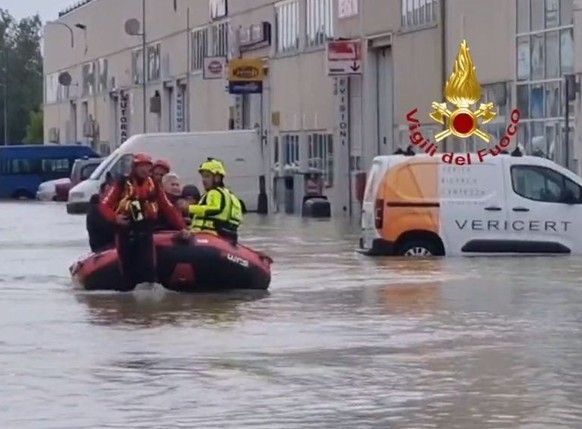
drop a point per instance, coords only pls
(404, 66)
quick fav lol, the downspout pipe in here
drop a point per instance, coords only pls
(443, 24)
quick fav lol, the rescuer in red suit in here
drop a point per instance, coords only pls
(134, 204)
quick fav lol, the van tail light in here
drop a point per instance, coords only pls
(378, 213)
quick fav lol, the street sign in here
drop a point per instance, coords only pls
(344, 57)
(245, 76)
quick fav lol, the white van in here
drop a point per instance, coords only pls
(240, 151)
(507, 204)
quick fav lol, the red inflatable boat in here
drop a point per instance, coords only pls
(206, 263)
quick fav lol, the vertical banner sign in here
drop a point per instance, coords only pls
(342, 144)
(180, 109)
(123, 118)
(342, 111)
(238, 112)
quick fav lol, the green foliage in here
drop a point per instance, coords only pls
(34, 129)
(21, 72)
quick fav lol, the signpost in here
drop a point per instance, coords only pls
(344, 58)
(245, 76)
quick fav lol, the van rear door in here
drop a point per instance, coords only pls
(371, 220)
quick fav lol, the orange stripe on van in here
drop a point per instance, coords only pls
(410, 191)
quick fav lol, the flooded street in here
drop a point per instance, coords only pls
(342, 341)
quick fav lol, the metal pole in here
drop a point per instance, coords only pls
(567, 118)
(144, 63)
(443, 23)
(188, 59)
(5, 112)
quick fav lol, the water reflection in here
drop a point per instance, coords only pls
(158, 307)
(411, 298)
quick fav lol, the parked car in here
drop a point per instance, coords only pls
(47, 191)
(58, 189)
(82, 170)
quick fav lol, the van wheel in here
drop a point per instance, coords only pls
(417, 249)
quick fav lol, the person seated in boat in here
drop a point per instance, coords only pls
(173, 189)
(159, 170)
(219, 210)
(101, 233)
(190, 195)
(134, 205)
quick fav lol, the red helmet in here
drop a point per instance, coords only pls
(141, 158)
(162, 163)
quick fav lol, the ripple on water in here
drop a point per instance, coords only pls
(342, 341)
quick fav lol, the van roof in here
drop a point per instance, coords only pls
(391, 159)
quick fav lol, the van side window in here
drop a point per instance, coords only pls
(543, 184)
(123, 166)
(87, 171)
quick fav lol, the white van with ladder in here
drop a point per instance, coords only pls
(240, 151)
(507, 204)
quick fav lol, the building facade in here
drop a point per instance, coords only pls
(309, 121)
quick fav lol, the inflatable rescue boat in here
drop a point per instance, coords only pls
(204, 263)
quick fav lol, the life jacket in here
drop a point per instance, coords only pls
(227, 221)
(139, 202)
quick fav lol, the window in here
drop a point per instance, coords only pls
(497, 93)
(552, 54)
(522, 16)
(552, 13)
(88, 76)
(290, 150)
(543, 184)
(220, 39)
(199, 48)
(537, 56)
(416, 13)
(275, 150)
(319, 20)
(137, 66)
(51, 88)
(537, 15)
(567, 51)
(218, 8)
(566, 12)
(55, 166)
(553, 99)
(102, 83)
(154, 62)
(20, 166)
(88, 170)
(122, 167)
(287, 19)
(321, 155)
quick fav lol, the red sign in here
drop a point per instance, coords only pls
(344, 50)
(215, 67)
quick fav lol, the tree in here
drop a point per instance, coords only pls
(21, 72)
(35, 128)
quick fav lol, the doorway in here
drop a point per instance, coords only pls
(384, 72)
(169, 102)
(73, 131)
